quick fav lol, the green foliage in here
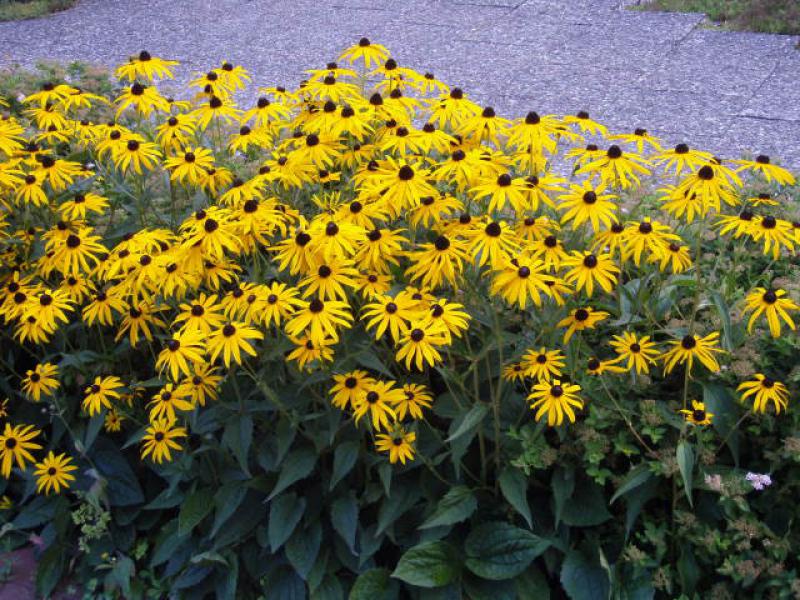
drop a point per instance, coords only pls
(767, 16)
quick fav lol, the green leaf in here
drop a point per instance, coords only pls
(121, 574)
(370, 360)
(456, 505)
(303, 547)
(226, 501)
(468, 422)
(194, 509)
(375, 584)
(344, 458)
(92, 429)
(532, 584)
(635, 477)
(298, 465)
(167, 543)
(563, 484)
(724, 312)
(328, 589)
(685, 456)
(243, 521)
(122, 486)
(285, 513)
(587, 506)
(49, 569)
(514, 486)
(344, 518)
(719, 401)
(497, 550)
(401, 500)
(238, 436)
(430, 564)
(583, 579)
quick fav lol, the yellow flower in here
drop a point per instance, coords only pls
(160, 439)
(15, 443)
(321, 318)
(585, 268)
(764, 390)
(555, 399)
(580, 319)
(588, 203)
(230, 340)
(377, 398)
(348, 388)
(543, 364)
(181, 352)
(772, 303)
(169, 399)
(692, 347)
(54, 473)
(639, 353)
(419, 342)
(100, 393)
(42, 380)
(697, 415)
(398, 443)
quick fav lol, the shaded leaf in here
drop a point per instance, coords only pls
(298, 465)
(344, 518)
(344, 458)
(285, 513)
(197, 505)
(498, 550)
(430, 564)
(514, 486)
(583, 579)
(456, 505)
(685, 456)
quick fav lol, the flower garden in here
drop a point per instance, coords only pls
(368, 339)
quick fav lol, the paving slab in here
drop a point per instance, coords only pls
(666, 72)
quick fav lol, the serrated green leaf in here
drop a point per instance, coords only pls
(514, 486)
(497, 550)
(430, 564)
(303, 547)
(456, 505)
(197, 505)
(285, 513)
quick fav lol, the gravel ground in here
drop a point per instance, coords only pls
(728, 92)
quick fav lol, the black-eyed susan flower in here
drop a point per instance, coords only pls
(160, 438)
(555, 400)
(584, 269)
(415, 398)
(439, 262)
(54, 473)
(580, 319)
(543, 364)
(321, 318)
(100, 393)
(40, 381)
(765, 390)
(376, 402)
(697, 415)
(348, 386)
(15, 447)
(397, 443)
(690, 348)
(637, 352)
(521, 280)
(113, 421)
(419, 343)
(776, 234)
(308, 350)
(588, 203)
(190, 166)
(500, 190)
(167, 400)
(138, 322)
(202, 385)
(682, 158)
(392, 314)
(184, 350)
(596, 367)
(763, 165)
(452, 315)
(145, 66)
(230, 340)
(513, 372)
(774, 304)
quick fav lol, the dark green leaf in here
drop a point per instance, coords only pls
(344, 457)
(468, 422)
(303, 547)
(430, 564)
(344, 518)
(587, 506)
(238, 436)
(49, 569)
(285, 513)
(583, 579)
(456, 505)
(563, 484)
(375, 584)
(514, 486)
(194, 509)
(122, 486)
(497, 550)
(298, 465)
(719, 401)
(685, 456)
(226, 501)
(635, 477)
(166, 543)
(328, 589)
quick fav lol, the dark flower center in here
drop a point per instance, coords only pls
(504, 180)
(417, 335)
(593, 364)
(391, 308)
(706, 173)
(493, 229)
(11, 443)
(250, 206)
(442, 243)
(614, 152)
(767, 382)
(770, 297)
(541, 359)
(768, 222)
(590, 261)
(581, 314)
(488, 112)
(688, 342)
(699, 415)
(645, 227)
(211, 225)
(198, 310)
(316, 306)
(590, 197)
(550, 241)
(35, 377)
(762, 159)
(350, 382)
(73, 241)
(372, 397)
(406, 173)
(524, 272)
(324, 271)
(635, 348)
(556, 391)
(228, 330)
(682, 149)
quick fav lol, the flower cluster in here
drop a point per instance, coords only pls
(203, 235)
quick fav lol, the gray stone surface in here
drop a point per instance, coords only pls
(729, 92)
